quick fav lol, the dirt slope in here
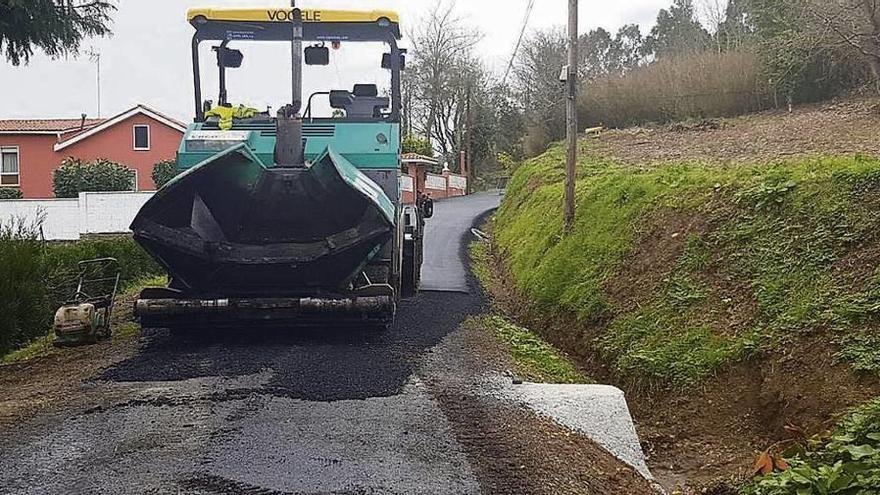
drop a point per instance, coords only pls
(842, 128)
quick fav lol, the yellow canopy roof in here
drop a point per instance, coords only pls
(273, 14)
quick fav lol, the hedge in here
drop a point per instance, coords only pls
(163, 172)
(75, 176)
(10, 193)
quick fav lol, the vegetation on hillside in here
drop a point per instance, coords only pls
(535, 359)
(758, 256)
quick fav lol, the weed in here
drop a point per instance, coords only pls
(536, 359)
(861, 350)
(847, 464)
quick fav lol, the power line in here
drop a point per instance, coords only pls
(519, 40)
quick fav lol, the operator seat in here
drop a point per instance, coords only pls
(364, 102)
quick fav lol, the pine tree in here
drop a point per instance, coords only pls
(57, 27)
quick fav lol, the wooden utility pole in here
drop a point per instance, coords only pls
(470, 141)
(571, 114)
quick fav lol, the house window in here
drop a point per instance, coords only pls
(9, 170)
(142, 138)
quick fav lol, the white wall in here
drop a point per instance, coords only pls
(437, 182)
(68, 219)
(407, 184)
(457, 182)
(102, 213)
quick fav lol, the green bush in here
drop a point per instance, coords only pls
(163, 172)
(75, 176)
(849, 464)
(416, 144)
(37, 277)
(10, 193)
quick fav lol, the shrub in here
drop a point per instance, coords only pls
(163, 172)
(10, 193)
(701, 85)
(416, 144)
(23, 292)
(75, 176)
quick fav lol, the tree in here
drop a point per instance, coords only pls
(852, 24)
(438, 78)
(597, 54)
(736, 30)
(628, 49)
(536, 84)
(678, 31)
(57, 27)
(75, 176)
(808, 46)
(163, 172)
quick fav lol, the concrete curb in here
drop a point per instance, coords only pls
(599, 412)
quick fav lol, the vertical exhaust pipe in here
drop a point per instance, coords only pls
(289, 142)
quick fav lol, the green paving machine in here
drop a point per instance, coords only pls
(285, 219)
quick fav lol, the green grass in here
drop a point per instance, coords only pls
(847, 464)
(39, 347)
(775, 231)
(536, 360)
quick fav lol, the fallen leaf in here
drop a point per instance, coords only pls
(764, 464)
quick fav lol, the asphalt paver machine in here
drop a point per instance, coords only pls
(285, 219)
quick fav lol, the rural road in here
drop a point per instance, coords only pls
(323, 412)
(443, 267)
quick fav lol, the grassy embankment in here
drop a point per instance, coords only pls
(743, 260)
(533, 357)
(675, 272)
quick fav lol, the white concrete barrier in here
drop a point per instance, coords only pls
(69, 219)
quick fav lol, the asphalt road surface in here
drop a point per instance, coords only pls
(443, 268)
(267, 412)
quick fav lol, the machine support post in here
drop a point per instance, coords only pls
(288, 141)
(197, 79)
(395, 79)
(297, 59)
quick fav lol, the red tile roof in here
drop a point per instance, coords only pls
(47, 125)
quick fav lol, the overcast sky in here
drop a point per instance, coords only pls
(148, 59)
